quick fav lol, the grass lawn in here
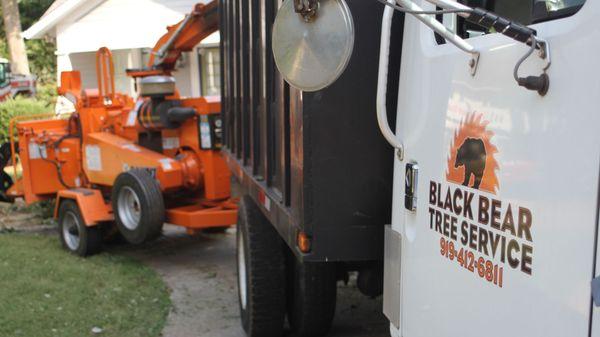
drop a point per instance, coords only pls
(45, 291)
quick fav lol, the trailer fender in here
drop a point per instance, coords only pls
(94, 209)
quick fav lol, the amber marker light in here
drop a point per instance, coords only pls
(303, 242)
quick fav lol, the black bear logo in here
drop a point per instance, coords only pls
(472, 155)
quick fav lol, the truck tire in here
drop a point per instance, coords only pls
(312, 292)
(261, 273)
(138, 206)
(75, 236)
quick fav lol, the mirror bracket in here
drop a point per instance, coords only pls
(306, 8)
(474, 62)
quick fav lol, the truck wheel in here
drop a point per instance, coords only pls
(75, 236)
(312, 291)
(261, 273)
(138, 206)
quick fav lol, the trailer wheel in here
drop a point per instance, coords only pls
(75, 236)
(312, 292)
(5, 153)
(138, 206)
(6, 181)
(261, 273)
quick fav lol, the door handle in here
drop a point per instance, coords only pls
(411, 183)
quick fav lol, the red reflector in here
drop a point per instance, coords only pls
(303, 242)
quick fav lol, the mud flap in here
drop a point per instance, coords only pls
(391, 276)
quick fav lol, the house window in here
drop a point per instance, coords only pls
(210, 71)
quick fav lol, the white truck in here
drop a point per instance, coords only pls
(12, 84)
(491, 233)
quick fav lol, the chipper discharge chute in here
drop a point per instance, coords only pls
(134, 164)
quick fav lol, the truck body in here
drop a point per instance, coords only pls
(293, 155)
(495, 209)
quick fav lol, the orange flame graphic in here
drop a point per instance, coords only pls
(475, 128)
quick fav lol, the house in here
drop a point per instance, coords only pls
(130, 28)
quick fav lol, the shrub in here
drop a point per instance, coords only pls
(19, 107)
(46, 93)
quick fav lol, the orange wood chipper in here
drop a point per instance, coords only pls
(125, 164)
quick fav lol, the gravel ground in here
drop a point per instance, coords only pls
(201, 273)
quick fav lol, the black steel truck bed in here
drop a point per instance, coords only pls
(315, 162)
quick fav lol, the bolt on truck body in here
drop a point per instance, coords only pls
(502, 237)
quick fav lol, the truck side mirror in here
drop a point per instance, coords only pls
(312, 49)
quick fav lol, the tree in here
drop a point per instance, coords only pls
(16, 44)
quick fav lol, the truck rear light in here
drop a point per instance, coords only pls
(303, 242)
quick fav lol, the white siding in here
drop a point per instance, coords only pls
(125, 27)
(86, 64)
(120, 24)
(183, 76)
(187, 77)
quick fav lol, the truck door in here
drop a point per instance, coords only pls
(502, 240)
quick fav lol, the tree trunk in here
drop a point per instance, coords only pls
(16, 45)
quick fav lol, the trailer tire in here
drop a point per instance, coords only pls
(6, 153)
(261, 273)
(75, 236)
(6, 181)
(312, 293)
(138, 206)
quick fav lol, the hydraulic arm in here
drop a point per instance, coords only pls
(181, 37)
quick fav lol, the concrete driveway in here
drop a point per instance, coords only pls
(201, 272)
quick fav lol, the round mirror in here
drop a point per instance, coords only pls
(312, 53)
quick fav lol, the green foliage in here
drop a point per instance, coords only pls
(42, 61)
(19, 106)
(46, 291)
(32, 10)
(46, 94)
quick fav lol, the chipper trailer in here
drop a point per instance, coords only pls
(493, 231)
(134, 164)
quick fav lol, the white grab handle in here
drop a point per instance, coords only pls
(384, 54)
